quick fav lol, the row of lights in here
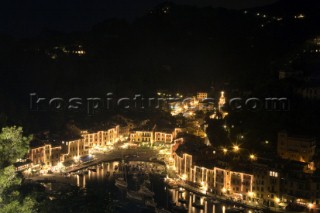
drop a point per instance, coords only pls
(236, 148)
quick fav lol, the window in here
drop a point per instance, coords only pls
(273, 174)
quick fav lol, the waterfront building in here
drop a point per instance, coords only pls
(154, 135)
(44, 153)
(270, 182)
(48, 153)
(222, 181)
(101, 138)
(73, 149)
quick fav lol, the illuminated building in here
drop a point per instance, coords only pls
(50, 153)
(201, 96)
(101, 138)
(221, 180)
(73, 149)
(153, 136)
(44, 153)
(141, 137)
(297, 148)
(163, 137)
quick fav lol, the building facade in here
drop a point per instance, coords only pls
(202, 95)
(150, 137)
(296, 148)
(45, 155)
(51, 153)
(222, 181)
(73, 150)
(101, 138)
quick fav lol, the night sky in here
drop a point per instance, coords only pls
(28, 18)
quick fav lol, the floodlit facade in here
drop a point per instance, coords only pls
(73, 150)
(258, 183)
(152, 136)
(221, 181)
(296, 148)
(101, 138)
(163, 137)
(141, 137)
(46, 154)
(202, 95)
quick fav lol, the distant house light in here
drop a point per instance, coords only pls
(300, 16)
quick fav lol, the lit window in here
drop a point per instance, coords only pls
(273, 174)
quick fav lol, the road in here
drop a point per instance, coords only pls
(138, 154)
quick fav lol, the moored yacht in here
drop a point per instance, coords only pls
(121, 183)
(133, 195)
(145, 191)
(151, 203)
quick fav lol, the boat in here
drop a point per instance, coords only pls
(147, 182)
(181, 189)
(151, 203)
(182, 200)
(198, 205)
(121, 183)
(93, 169)
(135, 177)
(162, 211)
(145, 191)
(134, 196)
(81, 173)
(172, 184)
(234, 210)
(180, 209)
(216, 202)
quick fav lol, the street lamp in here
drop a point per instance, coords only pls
(225, 150)
(236, 148)
(252, 157)
(224, 190)
(184, 177)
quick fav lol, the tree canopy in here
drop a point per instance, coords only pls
(13, 146)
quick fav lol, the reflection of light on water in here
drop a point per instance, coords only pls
(183, 195)
(84, 181)
(105, 172)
